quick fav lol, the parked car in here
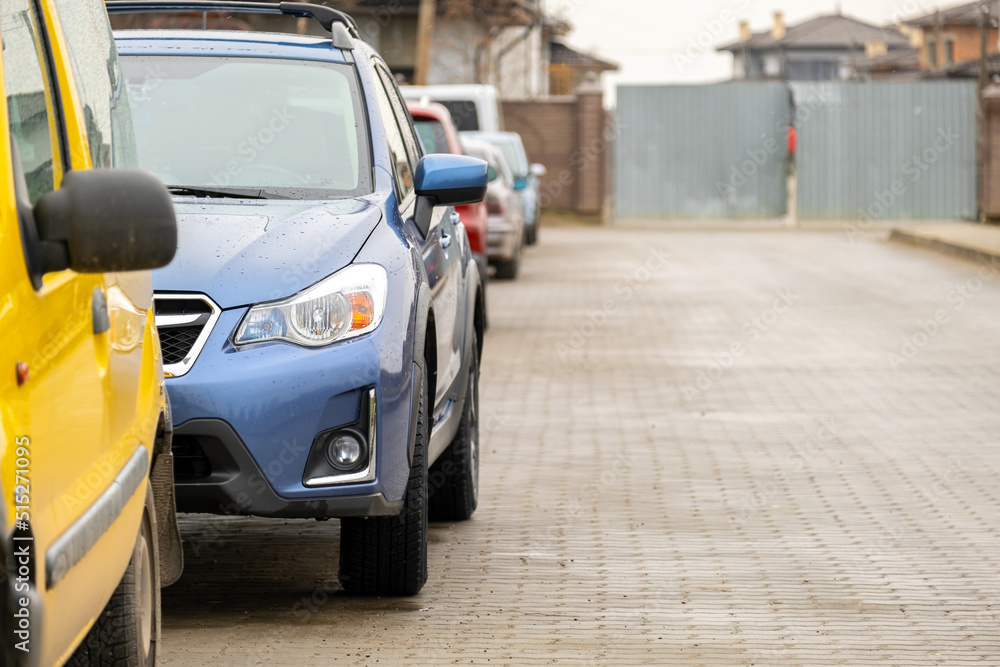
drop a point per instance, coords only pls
(527, 176)
(438, 135)
(88, 529)
(472, 106)
(323, 319)
(505, 223)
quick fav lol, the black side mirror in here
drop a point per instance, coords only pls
(106, 220)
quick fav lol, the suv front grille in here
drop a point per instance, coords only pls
(184, 323)
(177, 342)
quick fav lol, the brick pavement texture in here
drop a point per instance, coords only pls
(701, 448)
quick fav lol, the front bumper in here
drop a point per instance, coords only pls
(246, 421)
(237, 485)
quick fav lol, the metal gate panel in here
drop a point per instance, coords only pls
(708, 151)
(886, 150)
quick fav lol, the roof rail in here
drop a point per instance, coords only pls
(327, 16)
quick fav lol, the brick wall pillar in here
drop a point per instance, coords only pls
(567, 135)
(591, 156)
(989, 170)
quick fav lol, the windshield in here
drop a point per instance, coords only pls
(463, 114)
(516, 158)
(432, 135)
(282, 128)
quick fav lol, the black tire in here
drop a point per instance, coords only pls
(533, 232)
(508, 269)
(454, 478)
(127, 632)
(387, 555)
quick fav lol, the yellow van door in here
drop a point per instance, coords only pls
(93, 79)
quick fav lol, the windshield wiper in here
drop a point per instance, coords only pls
(216, 193)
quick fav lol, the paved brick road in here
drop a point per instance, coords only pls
(701, 448)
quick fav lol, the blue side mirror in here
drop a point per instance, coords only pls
(447, 180)
(520, 183)
(451, 180)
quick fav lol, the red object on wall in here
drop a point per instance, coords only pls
(791, 140)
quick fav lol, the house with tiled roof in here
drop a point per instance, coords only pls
(569, 67)
(946, 45)
(823, 48)
(951, 36)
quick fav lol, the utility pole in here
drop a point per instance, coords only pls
(425, 33)
(984, 29)
(937, 39)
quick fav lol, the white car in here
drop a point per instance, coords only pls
(473, 107)
(505, 213)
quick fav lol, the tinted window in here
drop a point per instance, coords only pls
(283, 127)
(463, 114)
(25, 78)
(99, 82)
(397, 148)
(402, 117)
(432, 135)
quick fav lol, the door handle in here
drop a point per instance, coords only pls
(99, 311)
(445, 241)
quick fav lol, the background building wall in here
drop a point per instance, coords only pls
(571, 137)
(966, 38)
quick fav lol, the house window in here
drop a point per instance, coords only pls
(932, 53)
(772, 65)
(560, 80)
(949, 52)
(813, 70)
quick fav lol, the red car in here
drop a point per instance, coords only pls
(438, 135)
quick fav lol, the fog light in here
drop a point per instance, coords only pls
(345, 450)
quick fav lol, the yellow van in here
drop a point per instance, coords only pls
(88, 529)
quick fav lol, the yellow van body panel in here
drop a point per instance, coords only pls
(90, 399)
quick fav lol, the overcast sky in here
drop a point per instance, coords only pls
(660, 40)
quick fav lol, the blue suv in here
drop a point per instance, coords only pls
(322, 321)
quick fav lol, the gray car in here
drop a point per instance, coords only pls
(527, 176)
(505, 233)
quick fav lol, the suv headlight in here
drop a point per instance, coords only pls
(349, 303)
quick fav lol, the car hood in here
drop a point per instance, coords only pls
(239, 252)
